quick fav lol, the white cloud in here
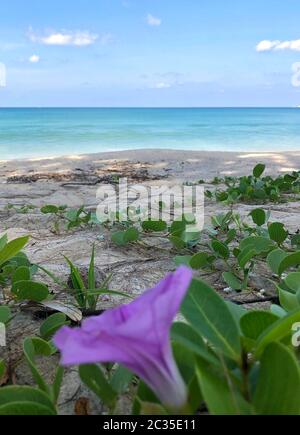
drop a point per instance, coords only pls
(163, 85)
(277, 45)
(34, 58)
(153, 21)
(78, 38)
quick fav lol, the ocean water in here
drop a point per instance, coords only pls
(30, 133)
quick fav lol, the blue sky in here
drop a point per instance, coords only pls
(149, 52)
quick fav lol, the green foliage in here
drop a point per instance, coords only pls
(52, 324)
(86, 294)
(30, 290)
(231, 360)
(5, 314)
(69, 218)
(9, 250)
(259, 216)
(36, 347)
(257, 189)
(278, 233)
(107, 385)
(15, 400)
(123, 238)
(289, 292)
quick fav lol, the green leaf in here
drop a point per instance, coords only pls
(78, 284)
(185, 361)
(288, 301)
(277, 332)
(52, 324)
(91, 274)
(32, 348)
(21, 274)
(259, 216)
(182, 260)
(30, 290)
(278, 233)
(190, 236)
(92, 299)
(254, 323)
(231, 235)
(293, 281)
(92, 375)
(15, 400)
(232, 281)
(122, 238)
(3, 241)
(144, 395)
(245, 256)
(275, 258)
(132, 235)
(208, 313)
(155, 226)
(187, 336)
(50, 209)
(219, 392)
(278, 388)
(237, 312)
(177, 242)
(57, 383)
(5, 314)
(295, 240)
(292, 260)
(2, 368)
(221, 249)
(278, 311)
(119, 238)
(257, 243)
(178, 226)
(120, 379)
(259, 170)
(199, 261)
(12, 248)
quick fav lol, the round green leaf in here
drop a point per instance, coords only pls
(30, 290)
(259, 170)
(278, 388)
(259, 216)
(254, 323)
(278, 233)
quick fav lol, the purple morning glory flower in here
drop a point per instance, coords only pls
(137, 336)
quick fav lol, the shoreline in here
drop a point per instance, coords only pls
(144, 151)
(176, 163)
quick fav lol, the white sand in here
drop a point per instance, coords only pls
(183, 164)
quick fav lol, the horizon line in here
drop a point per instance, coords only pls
(149, 107)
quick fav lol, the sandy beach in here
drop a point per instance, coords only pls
(185, 164)
(73, 181)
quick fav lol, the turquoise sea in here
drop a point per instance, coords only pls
(28, 133)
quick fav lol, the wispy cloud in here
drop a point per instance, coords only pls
(153, 21)
(164, 80)
(277, 45)
(77, 38)
(162, 85)
(34, 58)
